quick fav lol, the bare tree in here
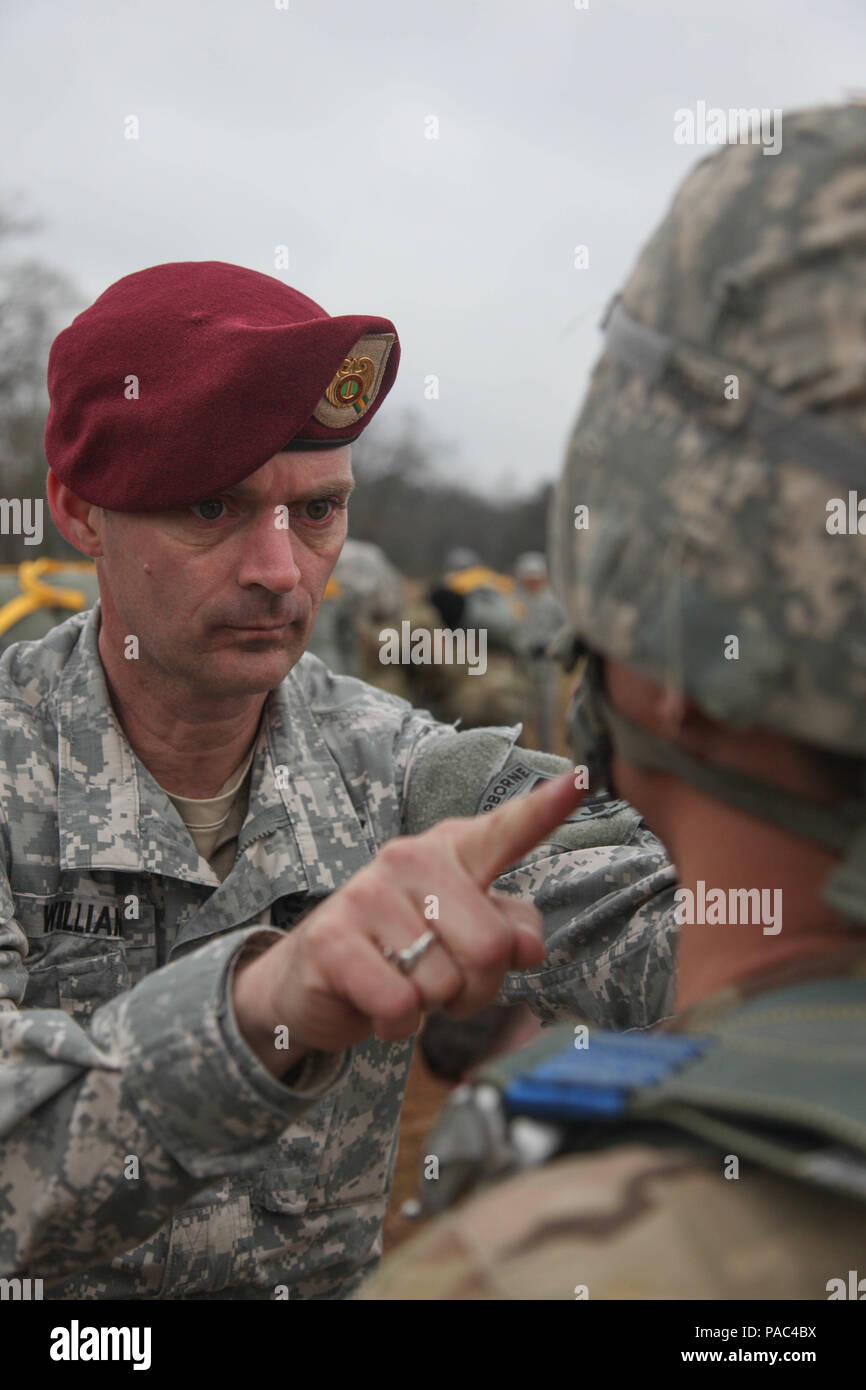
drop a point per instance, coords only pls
(402, 503)
(36, 301)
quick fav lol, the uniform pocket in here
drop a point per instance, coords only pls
(79, 983)
(290, 1178)
(90, 980)
(68, 966)
(208, 1245)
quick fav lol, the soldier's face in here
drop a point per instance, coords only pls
(223, 595)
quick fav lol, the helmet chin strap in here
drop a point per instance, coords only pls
(842, 829)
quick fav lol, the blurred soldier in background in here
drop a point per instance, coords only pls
(541, 618)
(451, 1047)
(381, 600)
(472, 597)
(364, 592)
(334, 639)
(719, 598)
(523, 687)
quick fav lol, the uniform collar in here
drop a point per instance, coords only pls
(113, 815)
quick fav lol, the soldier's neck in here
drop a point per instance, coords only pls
(190, 750)
(732, 866)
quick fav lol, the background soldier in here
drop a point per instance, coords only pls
(724, 631)
(471, 596)
(364, 593)
(541, 618)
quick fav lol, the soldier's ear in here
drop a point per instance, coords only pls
(73, 517)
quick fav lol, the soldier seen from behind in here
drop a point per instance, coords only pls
(718, 598)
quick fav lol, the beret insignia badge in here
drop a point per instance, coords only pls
(351, 385)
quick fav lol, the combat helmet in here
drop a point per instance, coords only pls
(707, 529)
(530, 565)
(460, 557)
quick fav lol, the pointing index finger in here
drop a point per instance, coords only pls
(496, 839)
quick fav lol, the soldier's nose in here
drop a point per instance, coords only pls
(268, 559)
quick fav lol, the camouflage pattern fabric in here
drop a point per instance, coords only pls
(693, 506)
(542, 619)
(700, 524)
(635, 1222)
(502, 695)
(660, 1217)
(146, 1153)
(334, 638)
(455, 693)
(364, 591)
(365, 570)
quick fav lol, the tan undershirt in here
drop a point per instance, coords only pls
(215, 822)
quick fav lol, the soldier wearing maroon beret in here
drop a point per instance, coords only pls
(226, 896)
(222, 403)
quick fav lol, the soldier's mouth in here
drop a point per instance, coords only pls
(260, 627)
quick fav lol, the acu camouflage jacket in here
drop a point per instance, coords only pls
(146, 1153)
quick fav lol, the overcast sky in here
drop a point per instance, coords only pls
(307, 127)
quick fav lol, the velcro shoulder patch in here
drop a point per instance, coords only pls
(517, 777)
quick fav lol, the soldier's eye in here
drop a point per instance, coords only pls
(319, 509)
(211, 510)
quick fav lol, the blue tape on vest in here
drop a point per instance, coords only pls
(597, 1081)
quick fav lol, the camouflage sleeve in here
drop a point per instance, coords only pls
(109, 1129)
(609, 928)
(603, 883)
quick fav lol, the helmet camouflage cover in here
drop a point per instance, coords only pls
(707, 529)
(723, 431)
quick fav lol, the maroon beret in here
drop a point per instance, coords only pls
(183, 379)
